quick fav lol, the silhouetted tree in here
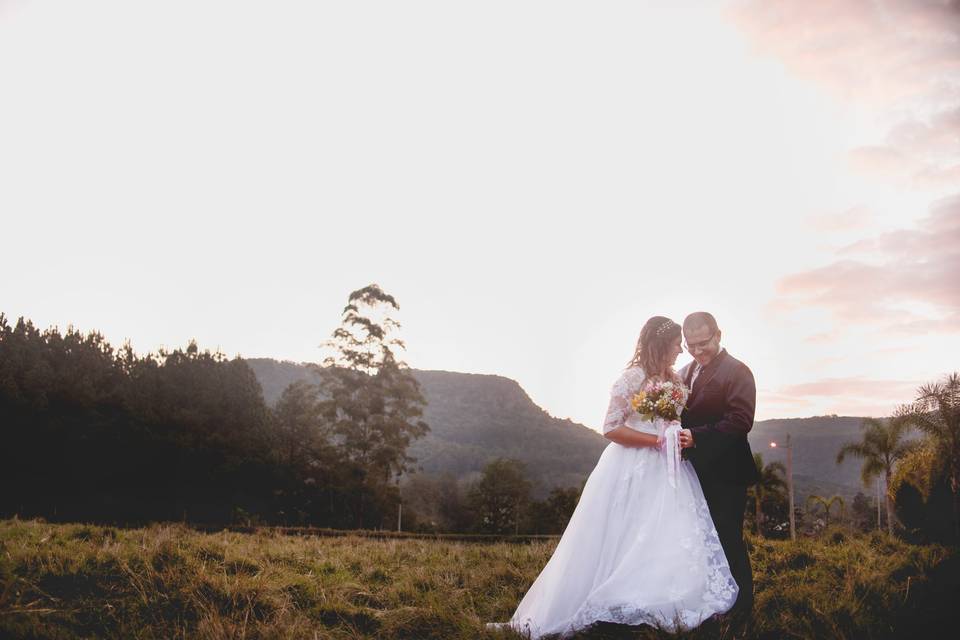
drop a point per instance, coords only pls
(499, 497)
(91, 433)
(372, 402)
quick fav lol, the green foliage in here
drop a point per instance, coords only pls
(93, 433)
(863, 513)
(475, 418)
(881, 447)
(826, 504)
(437, 503)
(770, 490)
(498, 499)
(372, 403)
(90, 433)
(936, 413)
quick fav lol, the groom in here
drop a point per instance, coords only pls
(716, 420)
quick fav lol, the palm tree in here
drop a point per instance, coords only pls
(936, 412)
(882, 446)
(827, 505)
(770, 482)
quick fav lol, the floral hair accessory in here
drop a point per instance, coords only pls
(664, 326)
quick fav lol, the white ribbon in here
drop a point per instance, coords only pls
(669, 436)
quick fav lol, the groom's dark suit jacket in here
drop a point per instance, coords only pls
(719, 412)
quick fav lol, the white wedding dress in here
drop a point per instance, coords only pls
(640, 547)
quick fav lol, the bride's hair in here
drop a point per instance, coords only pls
(653, 346)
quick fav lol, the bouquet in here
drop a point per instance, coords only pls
(660, 400)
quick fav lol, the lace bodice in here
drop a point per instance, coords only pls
(619, 411)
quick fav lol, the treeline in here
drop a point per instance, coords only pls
(93, 433)
(499, 502)
(89, 432)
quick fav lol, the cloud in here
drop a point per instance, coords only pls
(937, 137)
(780, 399)
(865, 50)
(899, 60)
(898, 56)
(858, 396)
(846, 396)
(890, 278)
(884, 162)
(851, 219)
(918, 152)
(852, 387)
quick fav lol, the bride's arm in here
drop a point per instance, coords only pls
(628, 437)
(619, 409)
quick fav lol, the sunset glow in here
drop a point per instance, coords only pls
(530, 180)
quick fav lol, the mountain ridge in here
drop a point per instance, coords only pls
(475, 417)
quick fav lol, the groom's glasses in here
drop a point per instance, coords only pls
(696, 346)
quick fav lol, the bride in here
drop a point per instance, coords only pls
(640, 548)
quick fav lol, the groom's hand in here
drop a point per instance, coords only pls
(685, 436)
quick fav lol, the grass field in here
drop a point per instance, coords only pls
(168, 581)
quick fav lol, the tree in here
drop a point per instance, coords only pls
(373, 403)
(499, 497)
(550, 516)
(826, 504)
(881, 448)
(305, 458)
(93, 434)
(863, 512)
(561, 503)
(936, 413)
(771, 483)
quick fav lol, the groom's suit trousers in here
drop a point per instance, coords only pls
(727, 503)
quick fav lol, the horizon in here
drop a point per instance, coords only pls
(530, 180)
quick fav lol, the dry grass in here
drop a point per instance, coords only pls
(167, 581)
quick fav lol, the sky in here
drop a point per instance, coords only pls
(530, 180)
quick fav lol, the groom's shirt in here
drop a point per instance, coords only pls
(698, 368)
(696, 371)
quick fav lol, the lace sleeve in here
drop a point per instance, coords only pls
(619, 408)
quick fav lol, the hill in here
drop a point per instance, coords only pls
(815, 443)
(474, 418)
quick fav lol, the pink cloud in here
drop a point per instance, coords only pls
(781, 400)
(938, 136)
(899, 55)
(883, 162)
(845, 396)
(848, 220)
(821, 338)
(853, 387)
(866, 50)
(880, 278)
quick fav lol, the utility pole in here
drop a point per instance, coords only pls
(789, 448)
(878, 503)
